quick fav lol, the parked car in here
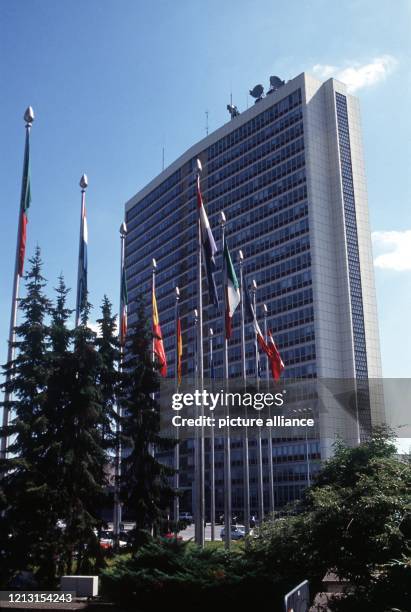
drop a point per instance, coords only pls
(234, 520)
(186, 517)
(172, 536)
(107, 540)
(237, 533)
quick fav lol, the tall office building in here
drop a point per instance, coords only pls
(289, 175)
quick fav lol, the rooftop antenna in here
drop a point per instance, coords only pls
(206, 127)
(232, 109)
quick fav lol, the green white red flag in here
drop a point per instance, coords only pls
(232, 291)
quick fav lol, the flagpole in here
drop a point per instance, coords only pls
(196, 432)
(83, 186)
(246, 466)
(153, 354)
(200, 365)
(212, 450)
(117, 503)
(270, 431)
(28, 118)
(153, 290)
(227, 441)
(259, 441)
(177, 446)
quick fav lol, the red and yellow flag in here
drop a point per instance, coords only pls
(158, 339)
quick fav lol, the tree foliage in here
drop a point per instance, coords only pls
(54, 480)
(354, 521)
(145, 484)
(28, 530)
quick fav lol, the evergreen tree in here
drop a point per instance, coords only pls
(108, 349)
(57, 408)
(28, 532)
(144, 481)
(60, 335)
(83, 464)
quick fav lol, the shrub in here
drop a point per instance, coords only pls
(174, 572)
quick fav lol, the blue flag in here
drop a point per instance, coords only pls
(209, 247)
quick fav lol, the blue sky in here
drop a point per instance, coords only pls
(113, 81)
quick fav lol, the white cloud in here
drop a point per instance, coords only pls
(394, 250)
(356, 76)
(94, 327)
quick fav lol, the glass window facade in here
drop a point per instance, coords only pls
(360, 349)
(256, 175)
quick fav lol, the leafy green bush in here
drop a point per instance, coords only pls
(390, 589)
(165, 573)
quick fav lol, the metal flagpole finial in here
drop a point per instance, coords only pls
(153, 264)
(211, 331)
(222, 218)
(29, 116)
(254, 285)
(199, 166)
(177, 290)
(195, 314)
(240, 256)
(265, 309)
(123, 230)
(83, 182)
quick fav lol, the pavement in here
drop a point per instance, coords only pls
(188, 533)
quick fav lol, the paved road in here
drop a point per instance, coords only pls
(189, 532)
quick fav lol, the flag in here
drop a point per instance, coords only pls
(232, 290)
(212, 370)
(179, 348)
(82, 260)
(270, 349)
(211, 360)
(209, 247)
(276, 363)
(124, 305)
(158, 348)
(24, 206)
(250, 309)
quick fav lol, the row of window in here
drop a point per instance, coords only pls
(171, 186)
(186, 240)
(277, 128)
(250, 171)
(169, 254)
(360, 350)
(255, 124)
(160, 221)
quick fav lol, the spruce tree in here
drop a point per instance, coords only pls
(28, 532)
(57, 408)
(108, 348)
(145, 489)
(83, 459)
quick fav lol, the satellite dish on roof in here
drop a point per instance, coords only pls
(276, 82)
(257, 92)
